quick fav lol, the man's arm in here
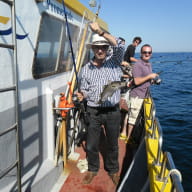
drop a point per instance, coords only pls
(133, 59)
(96, 29)
(141, 80)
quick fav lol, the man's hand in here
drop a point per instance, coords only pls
(79, 96)
(153, 75)
(125, 63)
(95, 28)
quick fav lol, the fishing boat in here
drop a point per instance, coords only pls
(42, 48)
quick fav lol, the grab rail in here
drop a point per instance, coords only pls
(155, 125)
(163, 174)
(153, 112)
(173, 173)
(160, 140)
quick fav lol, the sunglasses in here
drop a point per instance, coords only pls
(102, 47)
(147, 52)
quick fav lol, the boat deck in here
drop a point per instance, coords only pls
(101, 182)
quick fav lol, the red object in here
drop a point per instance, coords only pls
(63, 103)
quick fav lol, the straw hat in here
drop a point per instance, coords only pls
(98, 40)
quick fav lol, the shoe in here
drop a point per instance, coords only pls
(115, 178)
(122, 137)
(82, 165)
(89, 177)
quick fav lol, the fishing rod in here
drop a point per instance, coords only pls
(159, 72)
(70, 41)
(157, 80)
(79, 60)
(89, 34)
(65, 102)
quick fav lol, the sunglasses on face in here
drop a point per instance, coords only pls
(102, 47)
(147, 52)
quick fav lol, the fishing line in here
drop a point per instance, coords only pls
(70, 42)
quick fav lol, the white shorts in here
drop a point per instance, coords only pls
(126, 97)
(134, 109)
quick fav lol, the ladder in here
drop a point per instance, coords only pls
(14, 88)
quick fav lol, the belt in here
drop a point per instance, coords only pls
(112, 108)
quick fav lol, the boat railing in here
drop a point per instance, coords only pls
(162, 172)
(173, 173)
(160, 140)
(152, 117)
(155, 131)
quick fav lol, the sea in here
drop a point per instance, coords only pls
(173, 102)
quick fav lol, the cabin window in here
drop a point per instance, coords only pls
(53, 52)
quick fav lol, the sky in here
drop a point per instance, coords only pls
(164, 24)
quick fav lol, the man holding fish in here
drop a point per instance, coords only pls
(98, 72)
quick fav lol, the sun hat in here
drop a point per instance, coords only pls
(98, 40)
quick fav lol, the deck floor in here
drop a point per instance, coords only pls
(101, 182)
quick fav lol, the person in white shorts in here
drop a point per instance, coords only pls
(142, 75)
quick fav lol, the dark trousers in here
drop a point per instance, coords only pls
(110, 118)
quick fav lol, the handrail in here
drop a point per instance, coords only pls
(173, 173)
(174, 176)
(160, 140)
(11, 88)
(163, 174)
(156, 125)
(13, 127)
(152, 114)
(8, 169)
(153, 118)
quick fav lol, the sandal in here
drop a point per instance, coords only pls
(123, 137)
(130, 141)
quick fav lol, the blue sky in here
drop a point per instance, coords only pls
(165, 24)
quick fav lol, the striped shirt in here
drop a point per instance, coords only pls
(94, 78)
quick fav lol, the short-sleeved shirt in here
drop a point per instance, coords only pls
(141, 69)
(130, 52)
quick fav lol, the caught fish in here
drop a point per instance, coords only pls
(109, 89)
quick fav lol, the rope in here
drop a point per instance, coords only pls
(70, 42)
(175, 171)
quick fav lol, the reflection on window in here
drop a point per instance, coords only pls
(53, 52)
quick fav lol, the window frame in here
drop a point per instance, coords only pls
(63, 61)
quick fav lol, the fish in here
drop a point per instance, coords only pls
(110, 88)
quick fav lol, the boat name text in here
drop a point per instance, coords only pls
(58, 10)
